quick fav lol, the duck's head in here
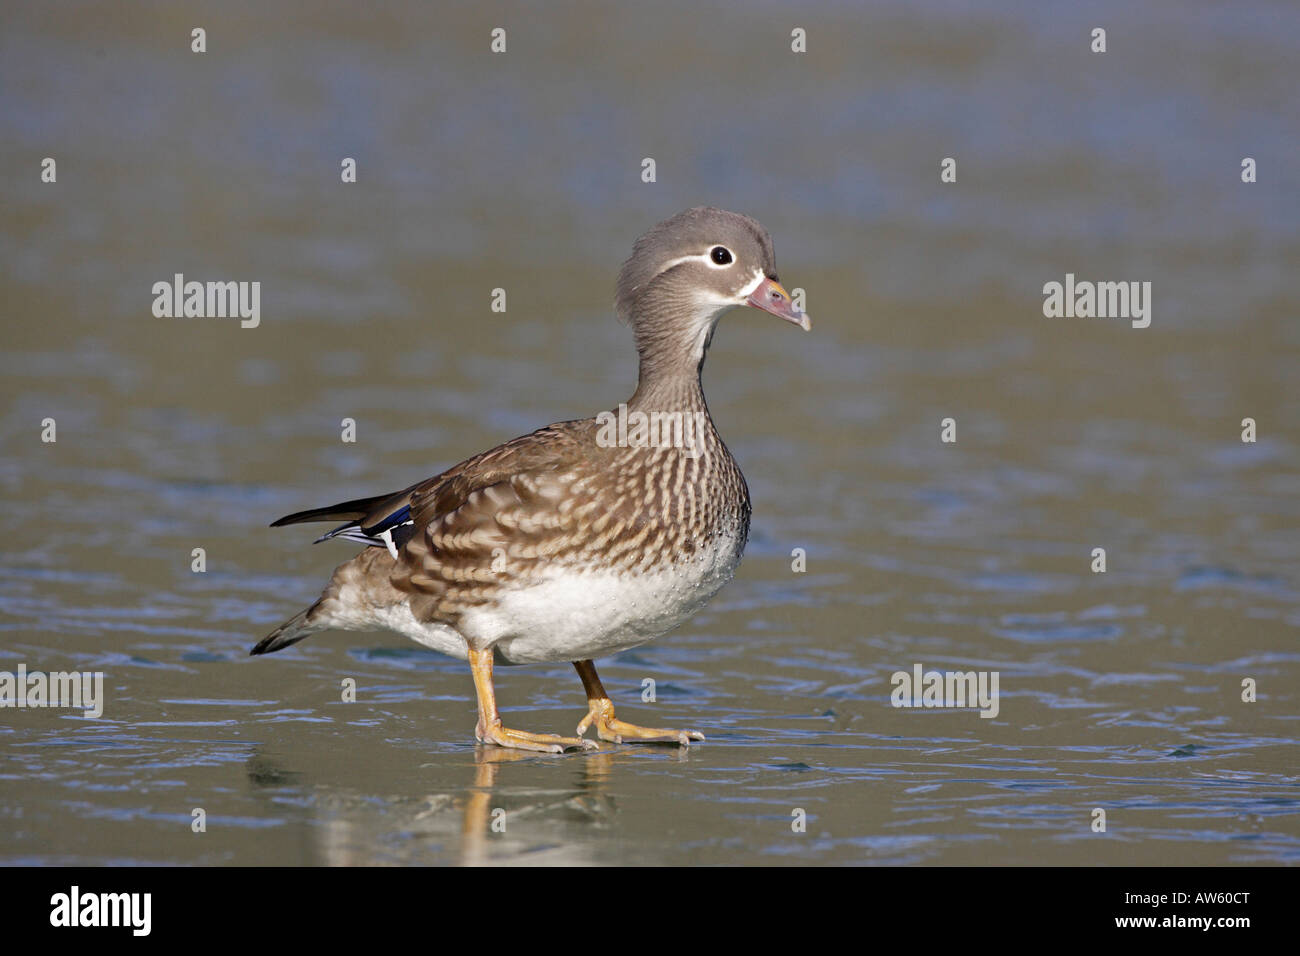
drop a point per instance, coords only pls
(688, 270)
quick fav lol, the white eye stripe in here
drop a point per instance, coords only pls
(744, 293)
(706, 258)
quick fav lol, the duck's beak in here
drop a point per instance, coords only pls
(770, 296)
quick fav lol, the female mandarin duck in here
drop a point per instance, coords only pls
(565, 545)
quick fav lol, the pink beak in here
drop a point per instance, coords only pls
(770, 296)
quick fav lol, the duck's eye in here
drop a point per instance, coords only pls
(721, 255)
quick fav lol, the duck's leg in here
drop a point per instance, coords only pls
(600, 711)
(489, 729)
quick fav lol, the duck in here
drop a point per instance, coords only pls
(583, 538)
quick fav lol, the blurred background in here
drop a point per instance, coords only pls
(522, 170)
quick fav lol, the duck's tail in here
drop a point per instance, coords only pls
(290, 632)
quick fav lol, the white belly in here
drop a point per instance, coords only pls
(398, 618)
(581, 615)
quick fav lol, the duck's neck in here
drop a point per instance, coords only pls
(657, 392)
(672, 349)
